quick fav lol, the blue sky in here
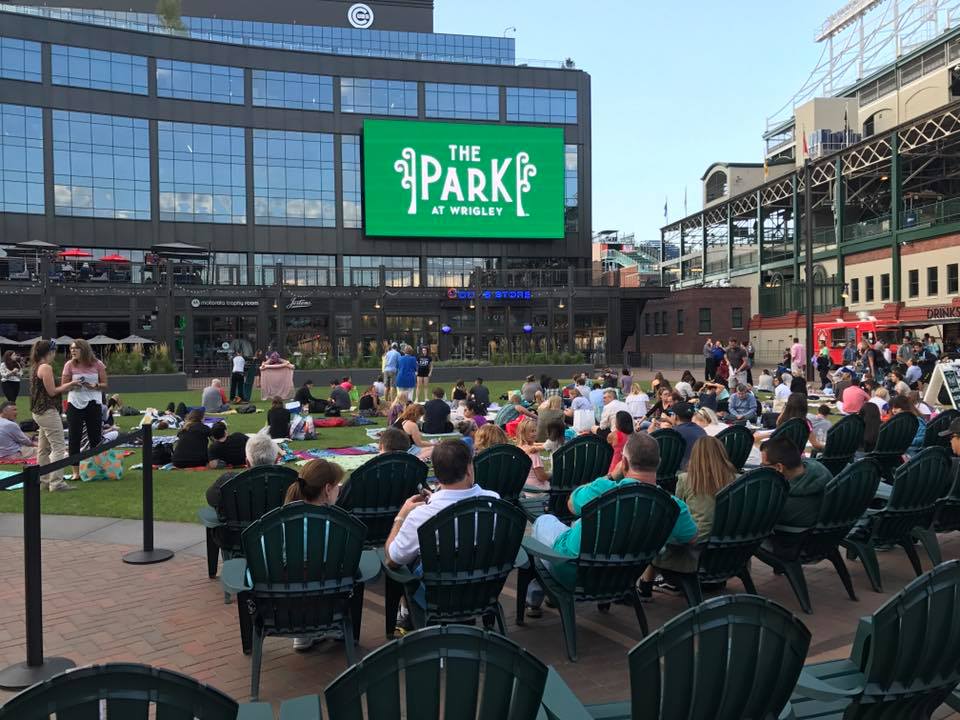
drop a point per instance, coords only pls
(675, 86)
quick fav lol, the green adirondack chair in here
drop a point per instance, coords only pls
(303, 572)
(672, 448)
(622, 531)
(845, 500)
(377, 489)
(795, 430)
(941, 423)
(893, 440)
(504, 469)
(461, 579)
(130, 690)
(738, 442)
(909, 513)
(947, 517)
(745, 515)
(843, 441)
(243, 499)
(905, 660)
(461, 672)
(582, 460)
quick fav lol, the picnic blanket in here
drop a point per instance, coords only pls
(349, 463)
(330, 422)
(327, 453)
(17, 460)
(9, 473)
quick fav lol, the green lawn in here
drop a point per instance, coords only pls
(177, 493)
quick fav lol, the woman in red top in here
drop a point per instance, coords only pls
(623, 429)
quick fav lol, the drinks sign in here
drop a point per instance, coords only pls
(457, 180)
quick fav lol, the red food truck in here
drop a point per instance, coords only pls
(836, 334)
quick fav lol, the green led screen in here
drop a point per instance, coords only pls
(431, 179)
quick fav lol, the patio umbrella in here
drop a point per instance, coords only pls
(31, 341)
(137, 340)
(7, 341)
(115, 258)
(76, 254)
(63, 340)
(102, 340)
(37, 245)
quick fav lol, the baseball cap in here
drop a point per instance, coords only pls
(954, 429)
(684, 411)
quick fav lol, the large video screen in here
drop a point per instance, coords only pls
(429, 179)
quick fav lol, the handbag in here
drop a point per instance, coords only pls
(107, 465)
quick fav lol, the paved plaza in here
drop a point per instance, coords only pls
(98, 609)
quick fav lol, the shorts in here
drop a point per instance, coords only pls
(423, 373)
(389, 377)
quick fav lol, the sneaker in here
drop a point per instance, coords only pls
(534, 612)
(666, 588)
(645, 589)
(60, 485)
(302, 644)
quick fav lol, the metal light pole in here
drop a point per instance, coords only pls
(808, 261)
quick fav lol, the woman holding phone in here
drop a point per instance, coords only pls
(85, 399)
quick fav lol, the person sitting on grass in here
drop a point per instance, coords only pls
(408, 422)
(538, 477)
(301, 425)
(397, 407)
(742, 406)
(13, 442)
(191, 447)
(304, 396)
(393, 440)
(226, 450)
(480, 394)
(278, 419)
(339, 397)
(512, 412)
(436, 414)
(214, 399)
(317, 483)
(641, 455)
(259, 450)
(369, 405)
(472, 413)
(488, 436)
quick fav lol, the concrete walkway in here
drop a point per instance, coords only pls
(180, 537)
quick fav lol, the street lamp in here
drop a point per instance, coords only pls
(509, 29)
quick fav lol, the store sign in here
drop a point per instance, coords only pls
(428, 179)
(298, 303)
(360, 16)
(942, 312)
(222, 303)
(494, 295)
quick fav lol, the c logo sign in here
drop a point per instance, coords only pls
(360, 16)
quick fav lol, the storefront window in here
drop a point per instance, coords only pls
(414, 330)
(210, 332)
(343, 329)
(591, 336)
(308, 335)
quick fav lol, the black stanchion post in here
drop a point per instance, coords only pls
(36, 668)
(149, 554)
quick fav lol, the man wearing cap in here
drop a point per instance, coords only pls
(683, 424)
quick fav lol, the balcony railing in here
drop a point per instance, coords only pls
(942, 212)
(779, 300)
(867, 229)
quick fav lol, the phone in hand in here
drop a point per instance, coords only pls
(424, 490)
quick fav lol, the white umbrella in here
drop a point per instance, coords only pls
(7, 341)
(31, 341)
(102, 340)
(137, 340)
(63, 340)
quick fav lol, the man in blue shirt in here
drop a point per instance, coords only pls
(683, 424)
(913, 374)
(390, 366)
(742, 406)
(641, 455)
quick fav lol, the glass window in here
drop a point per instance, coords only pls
(364, 271)
(646, 324)
(462, 102)
(292, 90)
(855, 290)
(657, 324)
(913, 283)
(202, 176)
(704, 320)
(98, 69)
(885, 286)
(378, 97)
(21, 159)
(198, 81)
(19, 59)
(868, 289)
(541, 105)
(350, 180)
(298, 270)
(933, 280)
(953, 280)
(736, 318)
(571, 190)
(664, 323)
(101, 166)
(455, 272)
(679, 322)
(293, 178)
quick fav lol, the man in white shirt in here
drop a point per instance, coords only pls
(13, 443)
(453, 468)
(611, 406)
(237, 377)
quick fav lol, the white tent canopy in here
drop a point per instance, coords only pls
(137, 340)
(63, 340)
(102, 340)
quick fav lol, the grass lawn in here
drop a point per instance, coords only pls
(177, 493)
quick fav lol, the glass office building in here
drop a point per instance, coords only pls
(220, 156)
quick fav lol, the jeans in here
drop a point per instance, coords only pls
(90, 417)
(51, 445)
(546, 529)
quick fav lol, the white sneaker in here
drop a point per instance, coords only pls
(60, 485)
(302, 644)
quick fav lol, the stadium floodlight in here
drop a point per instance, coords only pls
(845, 16)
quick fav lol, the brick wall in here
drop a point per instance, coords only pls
(721, 303)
